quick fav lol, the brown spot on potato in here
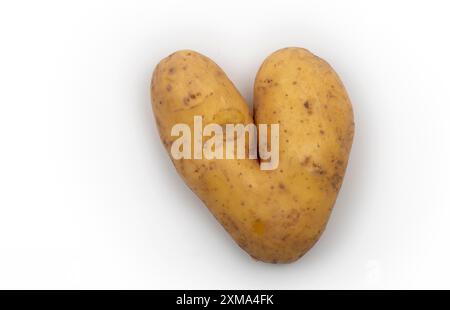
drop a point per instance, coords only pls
(318, 169)
(330, 95)
(307, 106)
(169, 87)
(292, 218)
(305, 161)
(336, 181)
(229, 223)
(258, 227)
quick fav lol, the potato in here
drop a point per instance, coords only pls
(275, 215)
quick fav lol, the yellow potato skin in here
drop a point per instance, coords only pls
(274, 215)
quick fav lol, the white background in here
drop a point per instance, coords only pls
(89, 198)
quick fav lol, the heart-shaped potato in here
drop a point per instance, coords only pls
(274, 215)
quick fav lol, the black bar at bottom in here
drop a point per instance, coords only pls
(207, 299)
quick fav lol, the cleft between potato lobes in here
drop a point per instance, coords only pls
(277, 215)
